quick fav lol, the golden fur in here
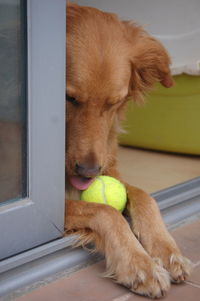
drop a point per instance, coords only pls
(110, 61)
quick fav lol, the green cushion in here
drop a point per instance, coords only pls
(170, 119)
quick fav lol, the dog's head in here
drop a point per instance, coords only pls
(108, 61)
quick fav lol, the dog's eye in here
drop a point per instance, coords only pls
(72, 100)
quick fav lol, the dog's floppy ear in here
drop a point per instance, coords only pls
(149, 62)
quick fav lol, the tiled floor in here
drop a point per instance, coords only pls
(88, 285)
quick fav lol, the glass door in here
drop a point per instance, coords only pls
(32, 123)
(13, 102)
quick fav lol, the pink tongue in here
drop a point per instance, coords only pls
(80, 183)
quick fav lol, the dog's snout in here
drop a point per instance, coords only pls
(87, 172)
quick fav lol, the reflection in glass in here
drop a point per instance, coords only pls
(12, 100)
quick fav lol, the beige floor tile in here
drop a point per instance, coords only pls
(188, 239)
(195, 277)
(153, 171)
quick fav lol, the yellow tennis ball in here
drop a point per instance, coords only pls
(106, 190)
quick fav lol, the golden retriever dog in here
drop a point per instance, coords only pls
(109, 62)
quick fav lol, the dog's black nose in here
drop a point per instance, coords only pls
(87, 172)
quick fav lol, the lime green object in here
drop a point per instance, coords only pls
(170, 119)
(106, 190)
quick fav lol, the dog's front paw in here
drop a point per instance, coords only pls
(154, 283)
(143, 276)
(168, 255)
(179, 268)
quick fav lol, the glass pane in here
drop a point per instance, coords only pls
(12, 100)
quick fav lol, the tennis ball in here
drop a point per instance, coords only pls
(106, 190)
